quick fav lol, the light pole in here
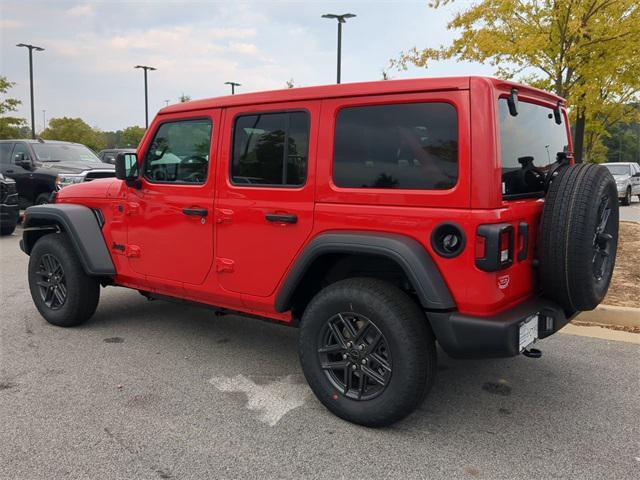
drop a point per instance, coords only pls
(44, 119)
(233, 86)
(341, 19)
(166, 103)
(31, 49)
(146, 99)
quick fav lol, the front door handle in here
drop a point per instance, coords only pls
(281, 218)
(197, 212)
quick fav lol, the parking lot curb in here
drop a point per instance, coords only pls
(611, 315)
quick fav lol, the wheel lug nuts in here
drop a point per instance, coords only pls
(360, 347)
(364, 360)
(344, 356)
(353, 367)
(349, 344)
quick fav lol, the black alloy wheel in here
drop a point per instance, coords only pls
(52, 283)
(355, 356)
(602, 241)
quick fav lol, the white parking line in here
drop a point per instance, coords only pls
(272, 401)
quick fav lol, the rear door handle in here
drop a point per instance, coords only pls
(197, 212)
(281, 218)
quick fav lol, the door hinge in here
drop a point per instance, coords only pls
(224, 215)
(224, 265)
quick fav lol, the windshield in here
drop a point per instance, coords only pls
(529, 145)
(619, 169)
(48, 152)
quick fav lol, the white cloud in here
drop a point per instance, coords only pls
(243, 48)
(7, 23)
(82, 10)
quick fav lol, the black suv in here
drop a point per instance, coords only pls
(8, 205)
(41, 167)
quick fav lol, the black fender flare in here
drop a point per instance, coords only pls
(80, 224)
(407, 252)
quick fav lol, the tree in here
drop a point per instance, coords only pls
(585, 51)
(9, 126)
(74, 130)
(290, 83)
(131, 136)
(184, 98)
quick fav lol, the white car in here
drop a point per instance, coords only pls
(627, 176)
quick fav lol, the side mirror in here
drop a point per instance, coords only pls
(23, 161)
(127, 169)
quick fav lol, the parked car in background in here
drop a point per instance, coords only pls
(9, 210)
(627, 176)
(41, 167)
(109, 155)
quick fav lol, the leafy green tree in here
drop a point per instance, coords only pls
(9, 126)
(585, 51)
(74, 130)
(131, 136)
(184, 98)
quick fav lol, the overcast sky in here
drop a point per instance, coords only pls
(91, 48)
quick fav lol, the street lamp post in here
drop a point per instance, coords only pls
(233, 86)
(341, 19)
(44, 119)
(31, 49)
(146, 97)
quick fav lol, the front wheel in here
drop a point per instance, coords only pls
(367, 351)
(61, 290)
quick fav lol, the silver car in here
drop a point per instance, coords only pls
(627, 176)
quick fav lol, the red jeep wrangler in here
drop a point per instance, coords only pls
(379, 217)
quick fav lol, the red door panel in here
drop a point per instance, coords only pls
(167, 240)
(260, 229)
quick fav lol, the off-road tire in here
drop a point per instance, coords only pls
(82, 291)
(7, 229)
(406, 330)
(569, 240)
(626, 200)
(42, 199)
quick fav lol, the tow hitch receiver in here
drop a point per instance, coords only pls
(532, 353)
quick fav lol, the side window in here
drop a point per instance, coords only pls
(179, 152)
(109, 157)
(270, 149)
(402, 146)
(20, 150)
(5, 152)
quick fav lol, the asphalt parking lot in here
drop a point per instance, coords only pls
(155, 390)
(631, 213)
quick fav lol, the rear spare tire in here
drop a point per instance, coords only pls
(579, 236)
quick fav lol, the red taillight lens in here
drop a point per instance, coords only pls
(494, 246)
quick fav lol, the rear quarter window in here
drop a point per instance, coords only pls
(397, 146)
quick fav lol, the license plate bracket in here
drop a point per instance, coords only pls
(528, 332)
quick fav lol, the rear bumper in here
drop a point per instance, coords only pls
(464, 336)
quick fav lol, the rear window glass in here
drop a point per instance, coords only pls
(619, 169)
(270, 149)
(529, 146)
(402, 146)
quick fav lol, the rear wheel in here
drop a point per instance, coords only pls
(62, 292)
(367, 351)
(626, 200)
(42, 199)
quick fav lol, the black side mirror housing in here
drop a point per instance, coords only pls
(127, 169)
(23, 161)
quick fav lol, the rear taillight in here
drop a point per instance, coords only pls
(494, 246)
